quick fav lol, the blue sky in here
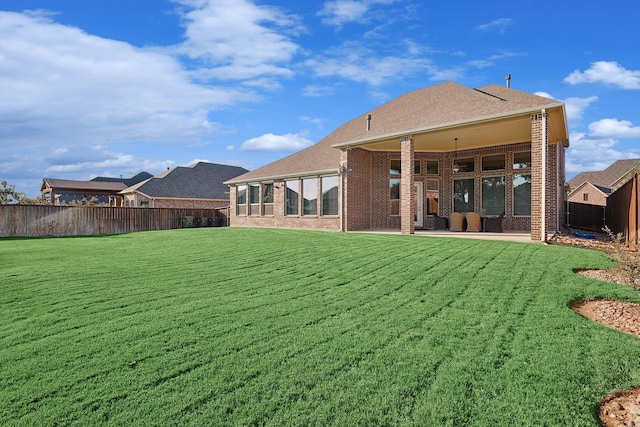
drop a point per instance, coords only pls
(114, 87)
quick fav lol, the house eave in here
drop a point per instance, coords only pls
(280, 177)
(461, 124)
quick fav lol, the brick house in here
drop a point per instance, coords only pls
(442, 149)
(199, 186)
(103, 190)
(594, 187)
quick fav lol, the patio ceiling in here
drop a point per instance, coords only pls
(482, 133)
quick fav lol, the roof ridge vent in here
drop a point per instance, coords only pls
(490, 94)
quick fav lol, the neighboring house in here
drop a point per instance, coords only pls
(436, 150)
(200, 185)
(101, 189)
(593, 188)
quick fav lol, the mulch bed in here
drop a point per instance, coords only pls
(622, 408)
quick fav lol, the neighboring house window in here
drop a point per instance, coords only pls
(432, 167)
(394, 195)
(494, 162)
(144, 203)
(522, 195)
(463, 195)
(254, 199)
(585, 197)
(267, 198)
(493, 195)
(241, 200)
(291, 197)
(310, 196)
(522, 160)
(329, 195)
(432, 194)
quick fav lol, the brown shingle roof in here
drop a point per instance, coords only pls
(607, 178)
(440, 105)
(68, 184)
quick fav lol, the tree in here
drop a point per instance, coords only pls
(8, 193)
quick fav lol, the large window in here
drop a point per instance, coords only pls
(494, 162)
(432, 194)
(493, 195)
(310, 196)
(395, 167)
(432, 167)
(465, 165)
(241, 200)
(522, 195)
(254, 199)
(463, 195)
(291, 197)
(329, 195)
(522, 160)
(267, 198)
(394, 195)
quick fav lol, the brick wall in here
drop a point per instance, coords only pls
(367, 196)
(279, 219)
(358, 189)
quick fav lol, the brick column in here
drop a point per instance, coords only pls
(537, 160)
(407, 202)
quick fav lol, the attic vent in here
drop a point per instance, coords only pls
(368, 122)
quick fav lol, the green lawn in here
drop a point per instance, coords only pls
(232, 326)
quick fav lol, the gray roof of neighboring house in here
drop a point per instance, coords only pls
(128, 182)
(608, 178)
(201, 180)
(440, 105)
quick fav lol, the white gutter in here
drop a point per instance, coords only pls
(543, 220)
(284, 176)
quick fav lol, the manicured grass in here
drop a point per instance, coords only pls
(231, 326)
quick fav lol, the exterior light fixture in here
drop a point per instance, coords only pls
(456, 167)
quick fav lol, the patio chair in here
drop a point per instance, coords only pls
(494, 224)
(440, 222)
(456, 221)
(474, 223)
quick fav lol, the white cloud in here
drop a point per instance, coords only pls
(62, 85)
(271, 142)
(364, 65)
(340, 12)
(83, 161)
(610, 73)
(314, 90)
(499, 25)
(236, 39)
(614, 128)
(580, 155)
(575, 107)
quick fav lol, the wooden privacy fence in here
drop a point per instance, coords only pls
(40, 221)
(622, 212)
(584, 216)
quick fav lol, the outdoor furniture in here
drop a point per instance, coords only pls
(456, 221)
(493, 224)
(440, 222)
(474, 223)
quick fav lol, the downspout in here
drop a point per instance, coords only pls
(543, 220)
(341, 172)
